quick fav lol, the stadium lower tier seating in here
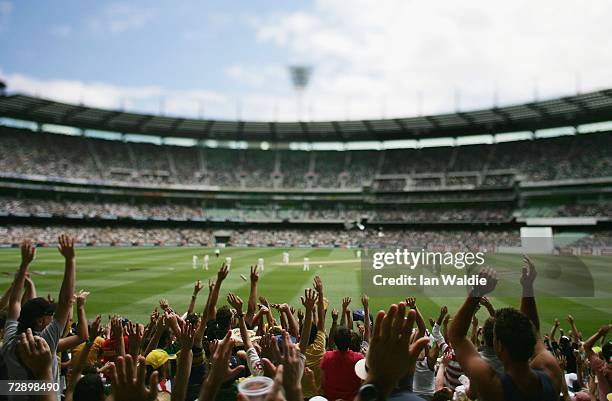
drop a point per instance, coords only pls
(12, 235)
(140, 211)
(490, 240)
(52, 155)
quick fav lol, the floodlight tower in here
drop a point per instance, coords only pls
(300, 76)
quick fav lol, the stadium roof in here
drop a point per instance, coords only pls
(585, 108)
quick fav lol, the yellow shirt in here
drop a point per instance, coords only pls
(314, 353)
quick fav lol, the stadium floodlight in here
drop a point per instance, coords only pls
(300, 77)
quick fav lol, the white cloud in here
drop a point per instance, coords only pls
(98, 94)
(373, 58)
(364, 51)
(6, 9)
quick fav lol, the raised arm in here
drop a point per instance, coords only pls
(575, 333)
(30, 290)
(292, 325)
(345, 304)
(588, 344)
(318, 286)
(308, 300)
(528, 302)
(27, 256)
(484, 301)
(197, 287)
(81, 360)
(214, 297)
(183, 365)
(70, 342)
(477, 369)
(66, 249)
(252, 304)
(553, 330)
(367, 330)
(411, 303)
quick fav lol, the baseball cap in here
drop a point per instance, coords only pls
(157, 358)
(33, 309)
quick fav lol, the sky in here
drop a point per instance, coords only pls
(369, 59)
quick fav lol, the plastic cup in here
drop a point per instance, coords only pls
(256, 388)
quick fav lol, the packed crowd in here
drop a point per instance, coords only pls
(256, 350)
(370, 238)
(25, 152)
(176, 211)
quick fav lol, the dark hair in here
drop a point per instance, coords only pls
(606, 351)
(193, 319)
(487, 331)
(88, 388)
(442, 395)
(342, 338)
(355, 342)
(224, 318)
(514, 331)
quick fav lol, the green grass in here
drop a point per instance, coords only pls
(130, 281)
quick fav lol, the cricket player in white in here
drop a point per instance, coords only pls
(228, 261)
(306, 265)
(217, 252)
(260, 264)
(205, 262)
(285, 258)
(195, 261)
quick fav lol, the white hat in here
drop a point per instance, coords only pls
(361, 370)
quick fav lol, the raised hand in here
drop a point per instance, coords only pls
(254, 274)
(292, 368)
(197, 287)
(211, 285)
(309, 299)
(96, 329)
(81, 298)
(128, 380)
(490, 278)
(528, 273)
(28, 251)
(115, 324)
(135, 335)
(365, 301)
(334, 314)
(221, 352)
(443, 314)
(318, 284)
(66, 246)
(185, 336)
(35, 354)
(391, 356)
(346, 302)
(222, 273)
(411, 302)
(163, 303)
(235, 301)
(264, 301)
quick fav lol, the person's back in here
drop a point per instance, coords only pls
(541, 391)
(339, 378)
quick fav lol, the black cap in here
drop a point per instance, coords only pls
(33, 309)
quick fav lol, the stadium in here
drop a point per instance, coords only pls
(156, 202)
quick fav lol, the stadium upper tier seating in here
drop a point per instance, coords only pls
(497, 165)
